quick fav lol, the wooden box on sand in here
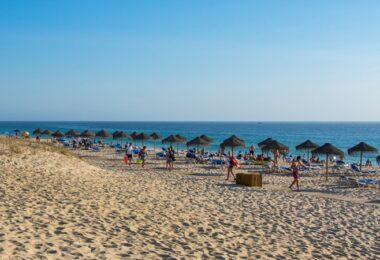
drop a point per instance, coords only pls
(249, 179)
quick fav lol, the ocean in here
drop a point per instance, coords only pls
(343, 134)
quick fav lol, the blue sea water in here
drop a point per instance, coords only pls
(342, 135)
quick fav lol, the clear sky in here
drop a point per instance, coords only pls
(190, 60)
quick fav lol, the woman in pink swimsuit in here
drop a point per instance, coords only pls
(296, 172)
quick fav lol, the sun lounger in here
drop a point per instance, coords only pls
(355, 169)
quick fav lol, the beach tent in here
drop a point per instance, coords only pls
(361, 149)
(328, 149)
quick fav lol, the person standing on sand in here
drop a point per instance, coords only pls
(231, 162)
(296, 164)
(143, 154)
(129, 154)
(172, 157)
(168, 159)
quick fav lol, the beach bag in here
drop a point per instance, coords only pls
(139, 161)
(126, 159)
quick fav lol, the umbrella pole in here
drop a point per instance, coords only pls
(327, 165)
(361, 160)
(308, 155)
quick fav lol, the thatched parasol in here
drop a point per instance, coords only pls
(103, 134)
(155, 137)
(115, 133)
(361, 149)
(57, 134)
(207, 138)
(47, 132)
(142, 137)
(181, 137)
(38, 131)
(73, 133)
(121, 135)
(328, 149)
(87, 134)
(233, 141)
(172, 139)
(274, 145)
(307, 146)
(134, 134)
(265, 142)
(198, 141)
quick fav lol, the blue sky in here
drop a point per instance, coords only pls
(190, 60)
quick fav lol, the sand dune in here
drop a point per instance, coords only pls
(56, 205)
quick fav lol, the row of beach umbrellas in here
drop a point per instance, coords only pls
(267, 145)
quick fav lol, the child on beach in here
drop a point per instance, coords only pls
(296, 164)
(142, 155)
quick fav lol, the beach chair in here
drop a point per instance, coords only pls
(367, 183)
(356, 170)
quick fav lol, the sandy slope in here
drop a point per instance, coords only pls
(58, 206)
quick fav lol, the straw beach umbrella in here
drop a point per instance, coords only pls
(155, 137)
(307, 146)
(207, 138)
(121, 135)
(134, 134)
(172, 139)
(265, 142)
(87, 134)
(182, 138)
(47, 132)
(103, 134)
(198, 141)
(361, 149)
(73, 133)
(57, 134)
(38, 131)
(274, 146)
(328, 149)
(233, 141)
(142, 137)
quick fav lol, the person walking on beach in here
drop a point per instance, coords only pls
(172, 157)
(129, 154)
(231, 162)
(296, 164)
(168, 159)
(142, 155)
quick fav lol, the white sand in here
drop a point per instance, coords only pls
(57, 206)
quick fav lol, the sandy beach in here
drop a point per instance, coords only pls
(61, 204)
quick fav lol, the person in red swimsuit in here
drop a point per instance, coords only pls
(296, 164)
